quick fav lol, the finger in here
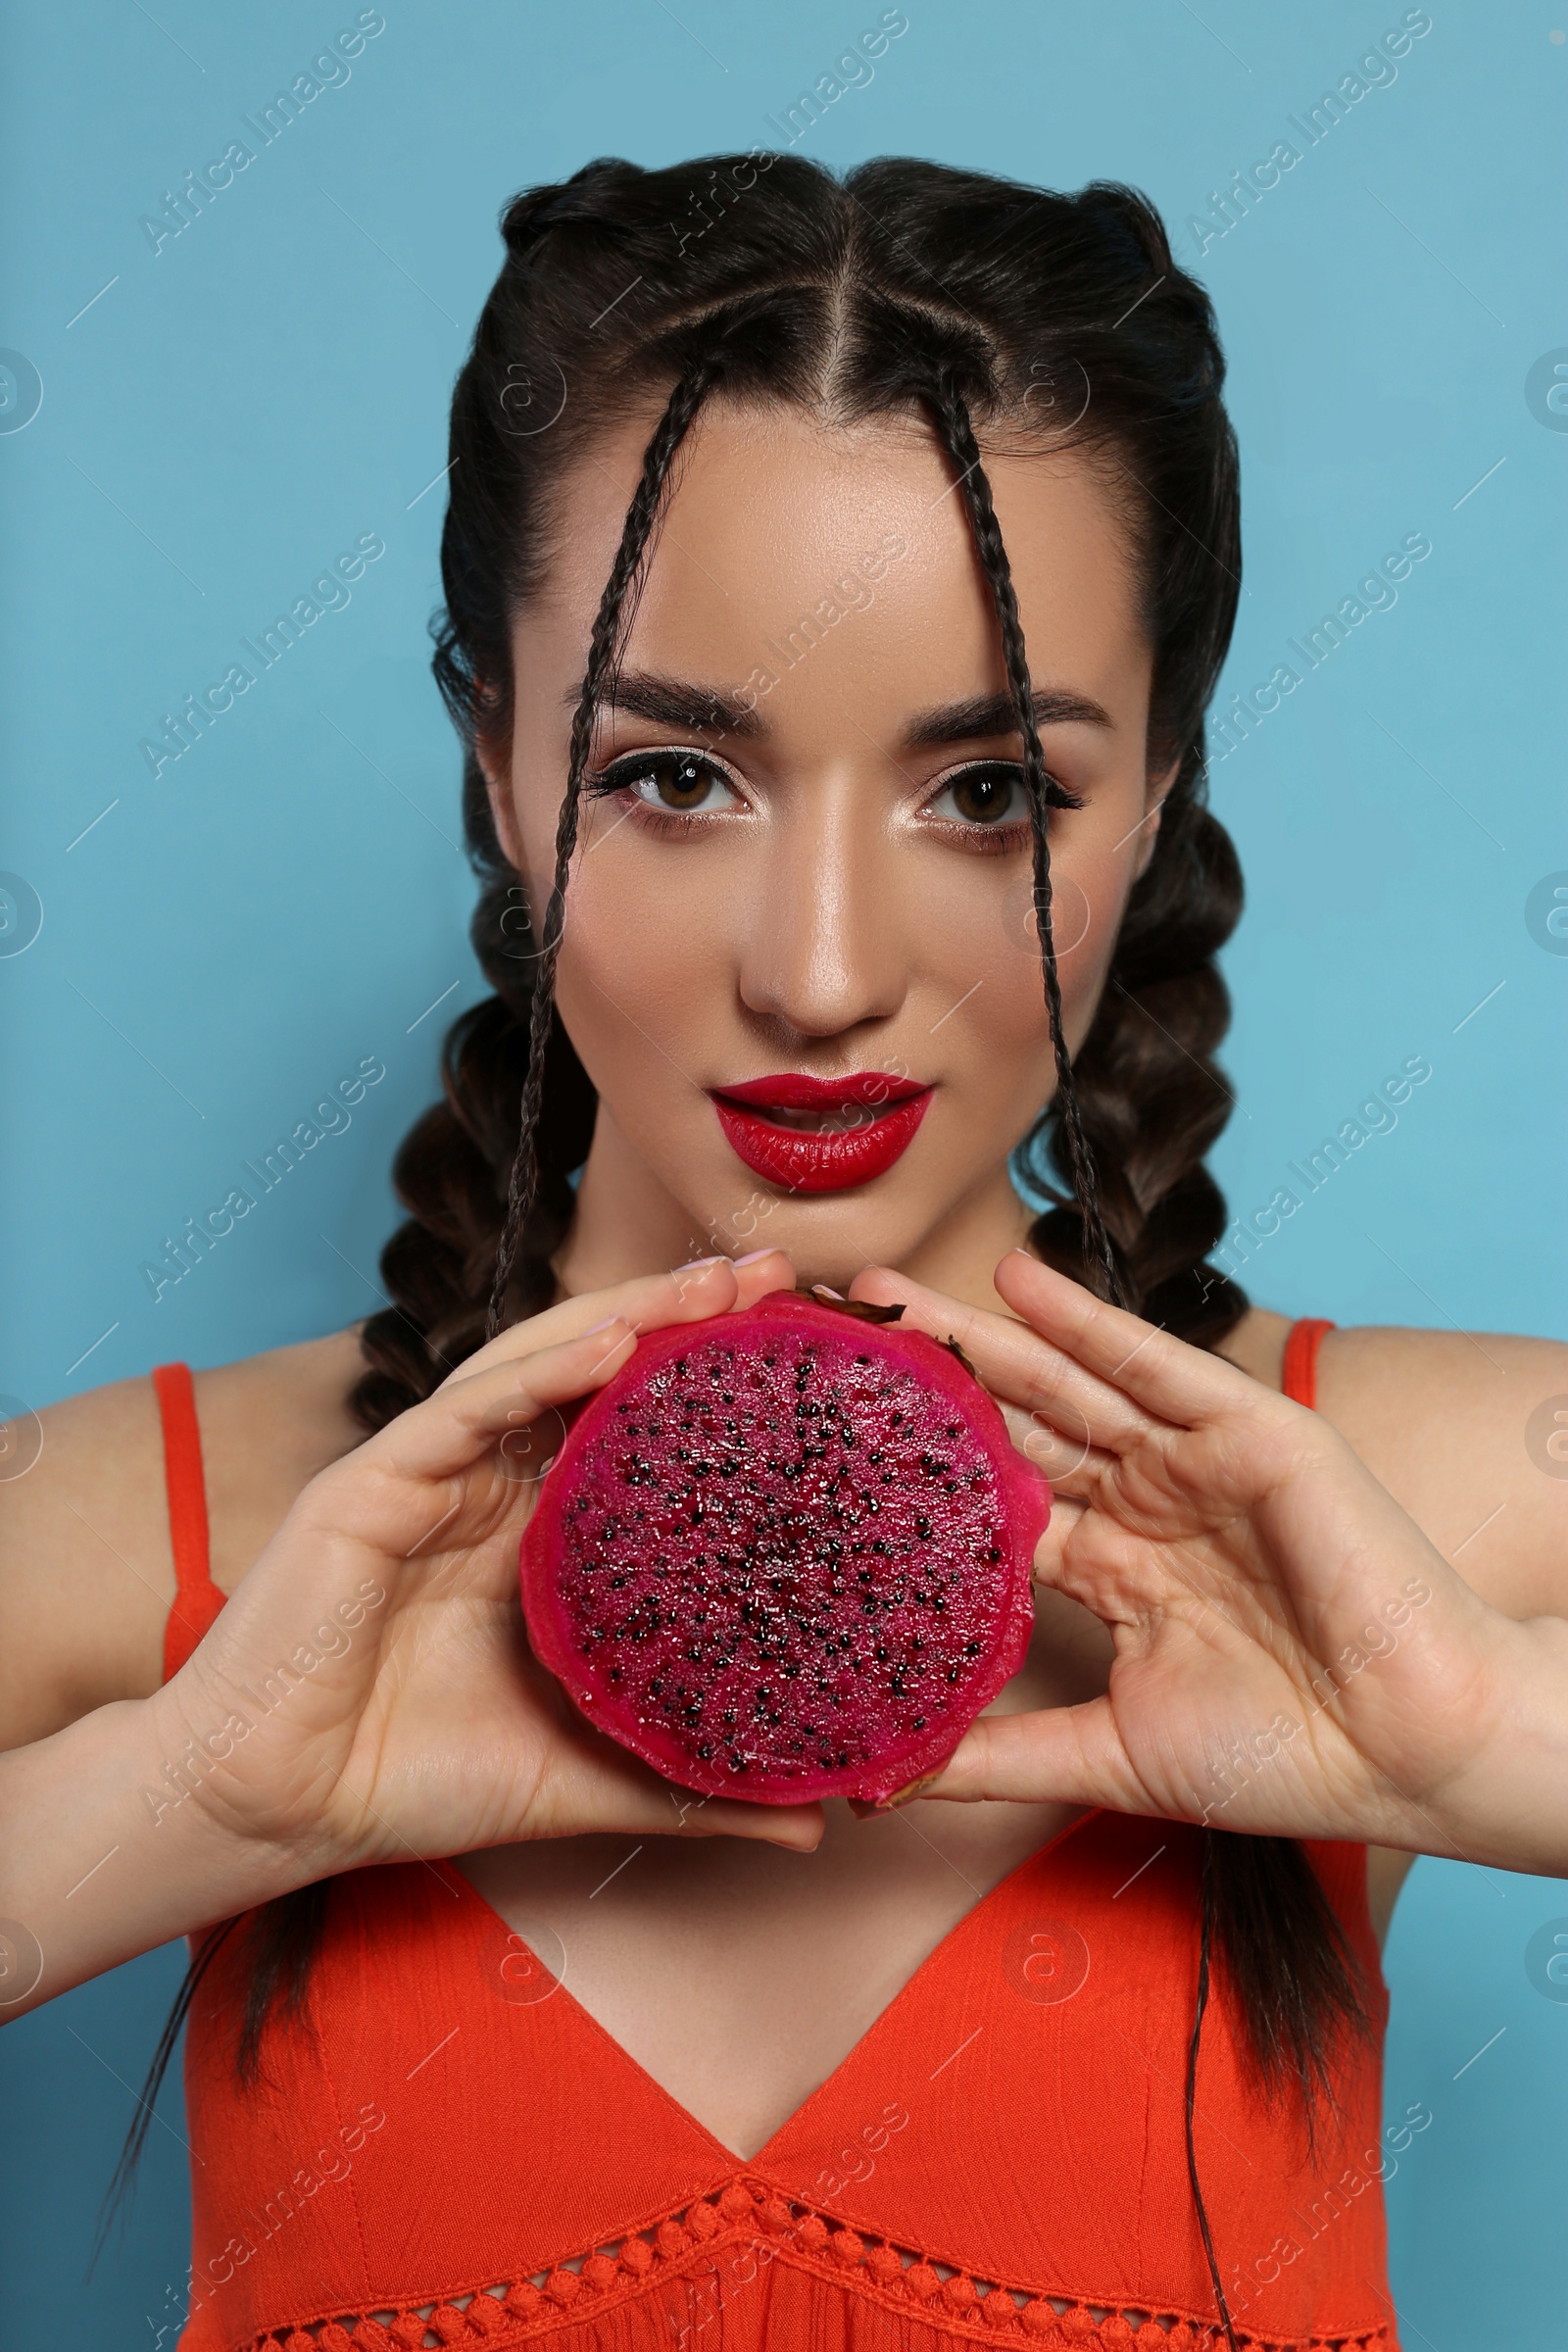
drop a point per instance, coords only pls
(799, 1827)
(709, 1286)
(772, 1270)
(1062, 1755)
(1070, 1462)
(1148, 1368)
(593, 1785)
(1049, 1567)
(1096, 1580)
(624, 1794)
(472, 1412)
(1018, 1364)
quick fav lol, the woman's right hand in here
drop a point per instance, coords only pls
(368, 1694)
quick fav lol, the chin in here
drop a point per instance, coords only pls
(835, 1236)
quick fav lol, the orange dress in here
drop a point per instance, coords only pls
(449, 2150)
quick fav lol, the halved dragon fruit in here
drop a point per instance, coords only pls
(786, 1554)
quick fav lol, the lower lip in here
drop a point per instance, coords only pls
(800, 1162)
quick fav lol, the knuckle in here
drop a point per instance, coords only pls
(1043, 1388)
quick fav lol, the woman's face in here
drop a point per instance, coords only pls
(803, 848)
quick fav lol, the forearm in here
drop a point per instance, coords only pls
(100, 1858)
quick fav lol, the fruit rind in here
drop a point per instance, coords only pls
(756, 1555)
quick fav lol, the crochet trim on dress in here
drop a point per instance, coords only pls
(751, 2222)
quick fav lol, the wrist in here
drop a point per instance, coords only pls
(101, 1861)
(202, 1778)
(1509, 1807)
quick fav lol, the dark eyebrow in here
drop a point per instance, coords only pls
(676, 703)
(667, 702)
(993, 714)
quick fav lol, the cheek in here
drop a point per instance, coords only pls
(645, 976)
(1089, 886)
(1095, 889)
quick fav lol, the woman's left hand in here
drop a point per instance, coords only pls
(1292, 1655)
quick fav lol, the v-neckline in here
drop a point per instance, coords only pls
(910, 1991)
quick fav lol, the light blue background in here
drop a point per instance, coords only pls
(227, 942)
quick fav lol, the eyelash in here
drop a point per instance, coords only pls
(1001, 839)
(998, 840)
(664, 824)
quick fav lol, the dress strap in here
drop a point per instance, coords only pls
(1302, 1343)
(197, 1600)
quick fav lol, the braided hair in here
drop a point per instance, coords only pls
(522, 1182)
(902, 288)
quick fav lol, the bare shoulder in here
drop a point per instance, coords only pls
(89, 1572)
(1469, 1431)
(268, 1424)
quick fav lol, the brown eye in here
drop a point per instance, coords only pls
(987, 796)
(681, 783)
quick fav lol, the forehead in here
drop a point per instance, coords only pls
(776, 516)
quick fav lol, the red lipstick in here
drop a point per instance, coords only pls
(820, 1135)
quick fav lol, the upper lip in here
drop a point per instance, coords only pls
(794, 1089)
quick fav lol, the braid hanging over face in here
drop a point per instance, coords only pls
(907, 289)
(603, 646)
(951, 416)
(953, 419)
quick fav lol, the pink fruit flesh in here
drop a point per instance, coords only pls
(786, 1554)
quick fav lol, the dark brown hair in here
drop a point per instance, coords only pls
(985, 307)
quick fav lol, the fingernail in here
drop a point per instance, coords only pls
(697, 1264)
(751, 1256)
(604, 1326)
(904, 1796)
(828, 1294)
(869, 1808)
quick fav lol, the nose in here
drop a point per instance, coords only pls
(821, 950)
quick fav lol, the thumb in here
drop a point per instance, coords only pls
(1059, 1755)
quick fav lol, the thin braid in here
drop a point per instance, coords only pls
(641, 516)
(952, 413)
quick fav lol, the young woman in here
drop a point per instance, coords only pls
(835, 577)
